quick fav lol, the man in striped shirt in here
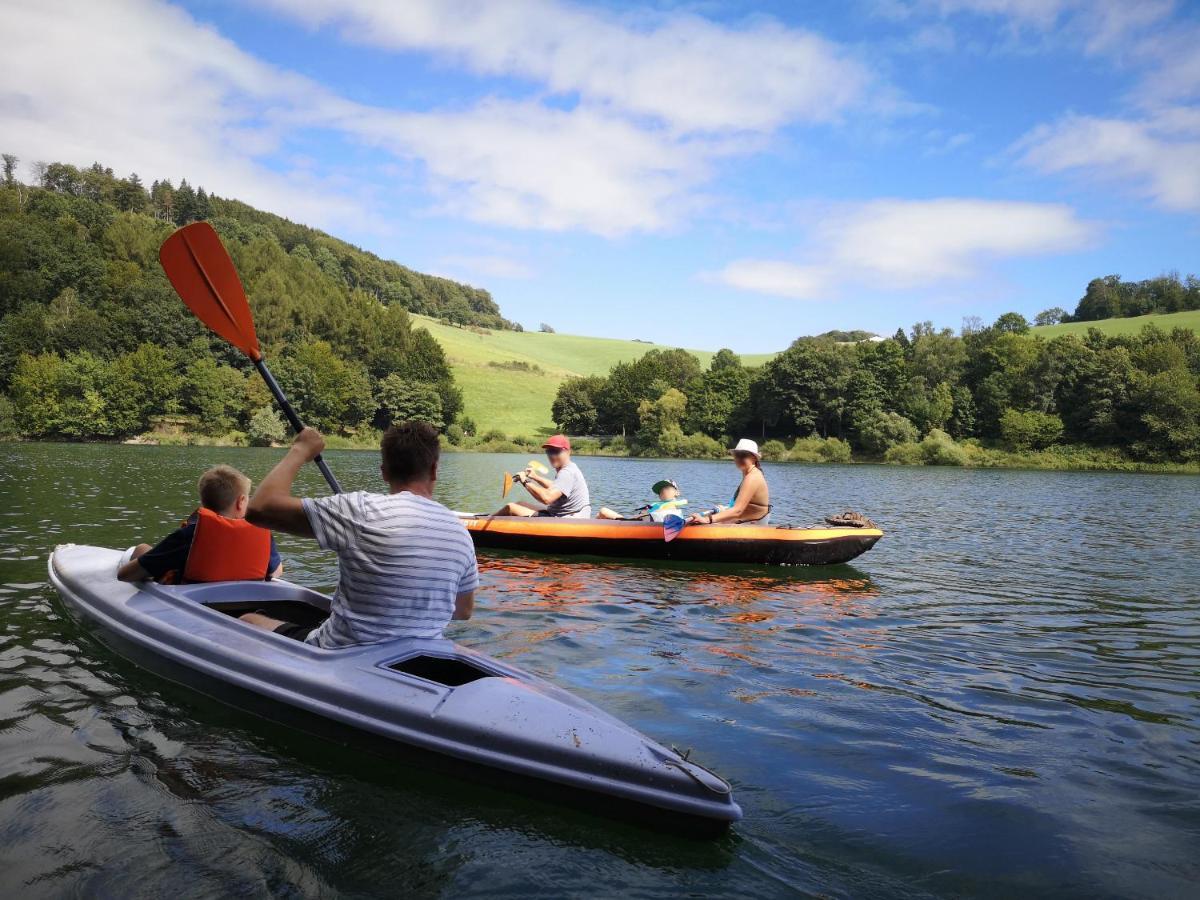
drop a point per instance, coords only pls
(406, 563)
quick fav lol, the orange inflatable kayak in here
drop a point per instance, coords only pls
(772, 545)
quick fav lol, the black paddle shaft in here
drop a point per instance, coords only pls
(294, 419)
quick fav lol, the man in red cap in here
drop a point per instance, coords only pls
(564, 497)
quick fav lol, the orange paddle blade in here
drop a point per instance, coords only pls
(198, 266)
(508, 483)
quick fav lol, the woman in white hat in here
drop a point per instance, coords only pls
(752, 502)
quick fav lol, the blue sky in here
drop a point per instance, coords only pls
(703, 174)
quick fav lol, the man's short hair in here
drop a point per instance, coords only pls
(220, 487)
(409, 450)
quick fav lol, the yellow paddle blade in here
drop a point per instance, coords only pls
(508, 483)
(538, 467)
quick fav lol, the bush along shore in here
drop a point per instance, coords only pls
(935, 449)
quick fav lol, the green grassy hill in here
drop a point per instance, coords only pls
(1165, 321)
(517, 401)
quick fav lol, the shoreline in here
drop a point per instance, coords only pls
(1062, 459)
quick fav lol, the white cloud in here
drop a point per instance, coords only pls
(900, 244)
(167, 97)
(653, 106)
(1159, 156)
(775, 277)
(1039, 13)
(521, 164)
(142, 87)
(1102, 23)
(685, 71)
(1154, 38)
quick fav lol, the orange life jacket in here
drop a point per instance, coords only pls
(227, 550)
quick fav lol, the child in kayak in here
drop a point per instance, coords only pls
(669, 503)
(215, 543)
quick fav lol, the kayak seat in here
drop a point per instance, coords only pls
(444, 670)
(295, 611)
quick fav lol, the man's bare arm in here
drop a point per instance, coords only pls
(273, 505)
(464, 605)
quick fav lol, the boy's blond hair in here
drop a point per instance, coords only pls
(220, 487)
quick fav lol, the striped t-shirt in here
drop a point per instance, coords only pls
(403, 560)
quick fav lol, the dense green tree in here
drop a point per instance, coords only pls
(1012, 323)
(716, 397)
(1051, 316)
(1170, 404)
(660, 432)
(805, 389)
(646, 378)
(129, 195)
(879, 430)
(574, 409)
(141, 384)
(936, 356)
(329, 392)
(38, 388)
(22, 332)
(962, 420)
(185, 203)
(940, 408)
(886, 362)
(400, 401)
(1029, 429)
(215, 394)
(8, 418)
(266, 428)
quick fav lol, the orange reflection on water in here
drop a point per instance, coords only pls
(764, 615)
(555, 582)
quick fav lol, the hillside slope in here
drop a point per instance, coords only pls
(499, 394)
(1165, 321)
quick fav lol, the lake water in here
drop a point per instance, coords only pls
(1002, 698)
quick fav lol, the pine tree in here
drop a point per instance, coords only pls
(203, 209)
(185, 204)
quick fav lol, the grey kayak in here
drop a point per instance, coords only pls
(429, 695)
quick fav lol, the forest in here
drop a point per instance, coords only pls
(927, 396)
(94, 343)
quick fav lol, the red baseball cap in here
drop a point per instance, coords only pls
(558, 442)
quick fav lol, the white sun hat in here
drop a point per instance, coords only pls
(745, 445)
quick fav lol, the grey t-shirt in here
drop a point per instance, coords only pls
(575, 503)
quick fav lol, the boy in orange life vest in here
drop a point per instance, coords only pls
(216, 543)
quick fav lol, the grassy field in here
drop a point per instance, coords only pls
(518, 402)
(1167, 321)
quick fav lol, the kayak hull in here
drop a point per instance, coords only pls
(750, 544)
(468, 712)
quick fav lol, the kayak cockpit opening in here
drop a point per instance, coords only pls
(449, 671)
(296, 611)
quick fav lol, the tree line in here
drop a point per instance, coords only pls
(913, 397)
(94, 343)
(1112, 298)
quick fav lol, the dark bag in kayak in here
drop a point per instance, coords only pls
(849, 519)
